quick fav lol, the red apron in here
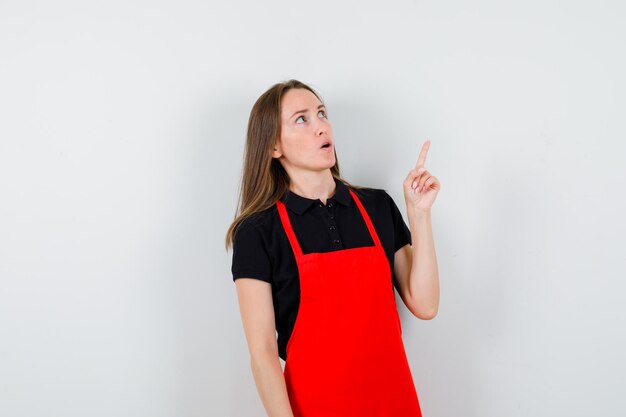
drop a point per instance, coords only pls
(345, 356)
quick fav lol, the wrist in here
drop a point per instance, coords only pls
(417, 212)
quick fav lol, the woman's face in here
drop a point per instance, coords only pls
(304, 131)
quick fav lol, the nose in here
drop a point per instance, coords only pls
(321, 128)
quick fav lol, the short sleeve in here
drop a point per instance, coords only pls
(401, 232)
(250, 256)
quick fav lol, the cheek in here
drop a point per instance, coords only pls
(329, 128)
(297, 142)
(292, 146)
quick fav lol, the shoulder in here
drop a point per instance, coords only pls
(374, 197)
(252, 247)
(379, 203)
(257, 224)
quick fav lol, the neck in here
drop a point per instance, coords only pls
(313, 185)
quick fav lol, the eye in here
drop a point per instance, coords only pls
(300, 117)
(323, 113)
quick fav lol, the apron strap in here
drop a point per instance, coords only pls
(284, 217)
(367, 219)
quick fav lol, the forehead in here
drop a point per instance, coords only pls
(298, 99)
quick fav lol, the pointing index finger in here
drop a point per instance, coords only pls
(422, 157)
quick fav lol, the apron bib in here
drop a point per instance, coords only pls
(345, 355)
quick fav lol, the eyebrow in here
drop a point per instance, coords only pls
(304, 111)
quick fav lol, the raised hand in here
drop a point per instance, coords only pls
(420, 187)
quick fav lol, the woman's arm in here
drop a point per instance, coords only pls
(257, 316)
(415, 267)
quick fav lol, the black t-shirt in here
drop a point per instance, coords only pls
(261, 249)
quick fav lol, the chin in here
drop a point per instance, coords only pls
(324, 167)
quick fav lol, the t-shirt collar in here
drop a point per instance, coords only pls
(299, 204)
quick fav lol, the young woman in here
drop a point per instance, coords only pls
(316, 260)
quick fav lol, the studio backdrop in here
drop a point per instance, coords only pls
(122, 127)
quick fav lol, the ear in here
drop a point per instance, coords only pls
(276, 151)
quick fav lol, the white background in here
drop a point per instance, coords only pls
(122, 126)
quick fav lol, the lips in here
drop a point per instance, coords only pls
(326, 145)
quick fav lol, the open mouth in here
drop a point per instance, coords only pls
(326, 145)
